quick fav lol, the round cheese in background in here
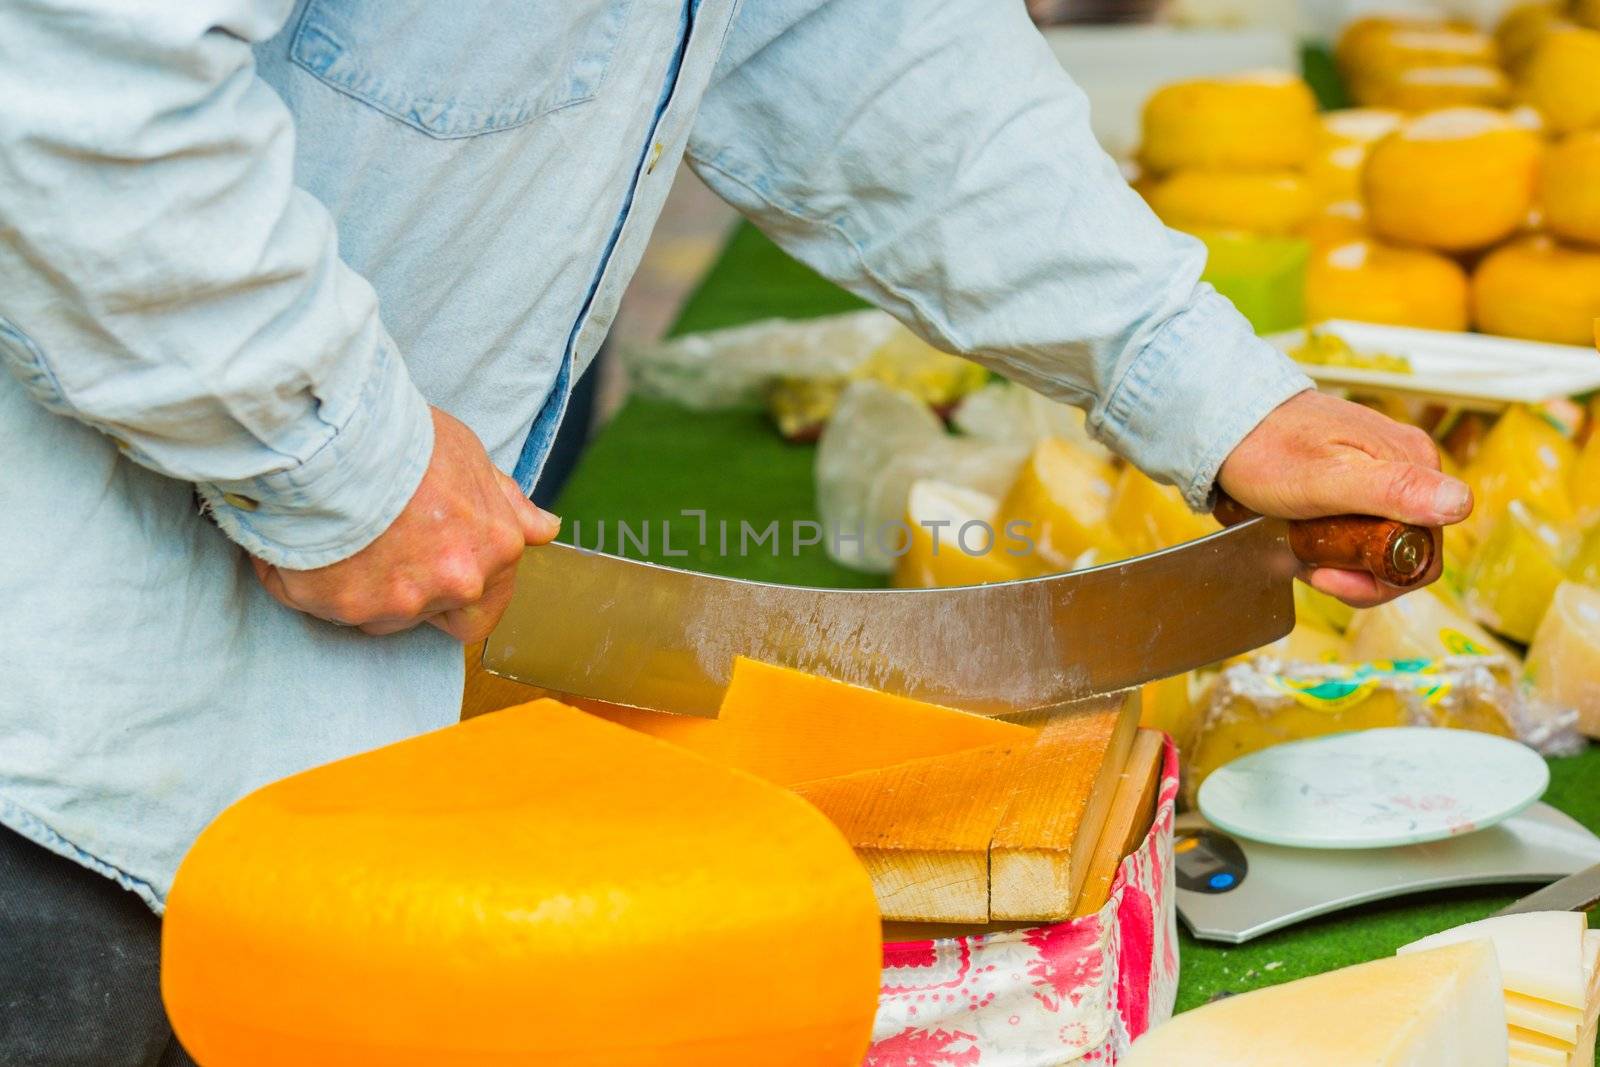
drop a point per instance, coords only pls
(1263, 120)
(1569, 188)
(1523, 28)
(1455, 180)
(1430, 88)
(535, 887)
(1335, 223)
(1369, 281)
(1259, 202)
(1540, 290)
(1562, 79)
(1386, 57)
(1343, 138)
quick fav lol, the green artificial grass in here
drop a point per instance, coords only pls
(655, 459)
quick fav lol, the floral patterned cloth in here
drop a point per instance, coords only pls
(1076, 992)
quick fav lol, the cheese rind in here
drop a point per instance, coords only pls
(490, 893)
(1429, 1009)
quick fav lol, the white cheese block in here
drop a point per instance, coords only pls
(1425, 1009)
(1541, 954)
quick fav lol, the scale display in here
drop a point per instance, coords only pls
(1230, 889)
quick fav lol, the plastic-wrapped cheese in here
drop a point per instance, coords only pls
(1062, 498)
(532, 887)
(1515, 573)
(1431, 1009)
(954, 540)
(1564, 661)
(1146, 515)
(1419, 626)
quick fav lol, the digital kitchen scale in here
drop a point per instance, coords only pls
(1232, 889)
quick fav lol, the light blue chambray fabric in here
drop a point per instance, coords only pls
(244, 243)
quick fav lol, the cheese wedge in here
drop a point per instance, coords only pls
(491, 893)
(922, 829)
(790, 727)
(1541, 953)
(1062, 792)
(1428, 1009)
(1564, 660)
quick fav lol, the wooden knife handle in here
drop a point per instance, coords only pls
(1396, 553)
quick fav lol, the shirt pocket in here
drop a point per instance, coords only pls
(464, 67)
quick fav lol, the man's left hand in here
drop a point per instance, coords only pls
(1317, 455)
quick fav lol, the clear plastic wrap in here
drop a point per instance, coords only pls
(1265, 702)
(735, 367)
(1005, 412)
(878, 443)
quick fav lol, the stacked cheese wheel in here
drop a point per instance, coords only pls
(1463, 193)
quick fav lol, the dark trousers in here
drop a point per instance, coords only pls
(80, 965)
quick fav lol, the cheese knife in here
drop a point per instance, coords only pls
(592, 625)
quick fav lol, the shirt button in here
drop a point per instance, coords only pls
(243, 503)
(655, 157)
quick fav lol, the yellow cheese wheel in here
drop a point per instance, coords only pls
(1262, 120)
(1262, 202)
(1523, 27)
(1343, 139)
(1455, 180)
(1563, 79)
(1336, 223)
(1569, 187)
(1538, 289)
(533, 887)
(1388, 56)
(1373, 282)
(1430, 88)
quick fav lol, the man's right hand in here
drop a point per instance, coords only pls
(449, 559)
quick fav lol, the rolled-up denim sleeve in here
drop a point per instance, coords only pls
(936, 160)
(167, 283)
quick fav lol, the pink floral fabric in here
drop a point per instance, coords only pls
(1070, 993)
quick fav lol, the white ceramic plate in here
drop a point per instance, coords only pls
(1374, 788)
(1473, 370)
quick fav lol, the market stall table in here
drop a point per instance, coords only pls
(655, 461)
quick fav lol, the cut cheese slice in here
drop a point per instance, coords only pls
(1543, 1017)
(1528, 1046)
(791, 727)
(1541, 954)
(1042, 848)
(496, 892)
(922, 829)
(1426, 1009)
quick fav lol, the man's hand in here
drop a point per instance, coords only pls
(448, 559)
(1317, 455)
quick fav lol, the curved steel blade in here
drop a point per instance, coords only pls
(619, 630)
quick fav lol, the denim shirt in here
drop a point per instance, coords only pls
(245, 243)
